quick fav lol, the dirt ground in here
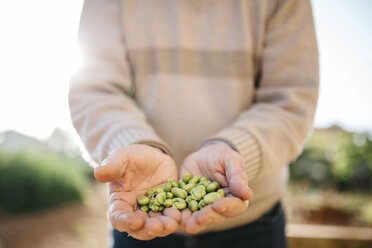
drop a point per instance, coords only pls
(73, 226)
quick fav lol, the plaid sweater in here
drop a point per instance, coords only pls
(177, 74)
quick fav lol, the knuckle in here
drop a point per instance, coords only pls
(114, 197)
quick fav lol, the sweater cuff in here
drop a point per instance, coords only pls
(246, 145)
(137, 136)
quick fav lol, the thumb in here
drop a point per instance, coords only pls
(112, 167)
(237, 179)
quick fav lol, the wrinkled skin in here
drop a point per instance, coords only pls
(218, 162)
(130, 172)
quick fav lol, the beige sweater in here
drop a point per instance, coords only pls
(176, 74)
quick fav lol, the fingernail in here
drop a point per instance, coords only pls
(223, 210)
(150, 233)
(246, 203)
(131, 227)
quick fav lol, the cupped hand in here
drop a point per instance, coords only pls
(218, 162)
(130, 172)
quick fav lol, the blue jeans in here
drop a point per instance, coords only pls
(266, 232)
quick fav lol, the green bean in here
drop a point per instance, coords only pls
(151, 192)
(201, 204)
(179, 203)
(193, 205)
(169, 195)
(188, 187)
(195, 179)
(211, 197)
(159, 189)
(173, 183)
(145, 208)
(204, 179)
(168, 187)
(221, 192)
(204, 183)
(143, 200)
(168, 203)
(186, 177)
(198, 192)
(154, 207)
(181, 184)
(213, 186)
(179, 192)
(160, 198)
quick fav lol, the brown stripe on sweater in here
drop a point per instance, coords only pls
(226, 64)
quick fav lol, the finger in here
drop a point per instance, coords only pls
(208, 216)
(142, 213)
(192, 226)
(221, 179)
(122, 201)
(169, 225)
(123, 218)
(153, 227)
(237, 178)
(173, 213)
(112, 167)
(141, 235)
(202, 218)
(124, 221)
(185, 215)
(230, 206)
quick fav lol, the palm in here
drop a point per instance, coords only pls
(205, 166)
(139, 177)
(194, 168)
(219, 163)
(131, 171)
(150, 169)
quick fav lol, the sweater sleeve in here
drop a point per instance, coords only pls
(102, 105)
(274, 129)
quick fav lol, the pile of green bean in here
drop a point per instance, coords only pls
(194, 192)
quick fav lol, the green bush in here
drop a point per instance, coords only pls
(353, 165)
(36, 180)
(335, 158)
(312, 167)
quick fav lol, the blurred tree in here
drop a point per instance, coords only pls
(353, 165)
(34, 176)
(335, 158)
(40, 180)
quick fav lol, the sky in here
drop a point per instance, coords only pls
(38, 52)
(344, 32)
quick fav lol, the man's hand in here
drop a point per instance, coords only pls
(130, 172)
(217, 162)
